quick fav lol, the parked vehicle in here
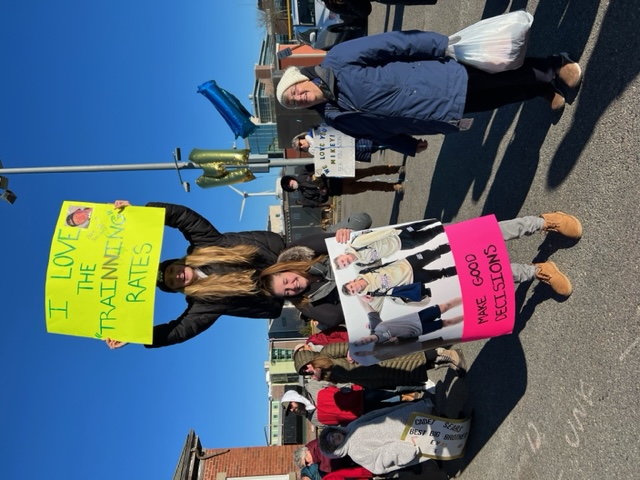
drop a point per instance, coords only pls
(317, 26)
(326, 38)
(362, 8)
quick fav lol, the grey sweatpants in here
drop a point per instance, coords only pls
(518, 228)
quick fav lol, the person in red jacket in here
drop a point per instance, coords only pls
(329, 335)
(329, 405)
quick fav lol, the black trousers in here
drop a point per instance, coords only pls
(421, 259)
(411, 235)
(488, 91)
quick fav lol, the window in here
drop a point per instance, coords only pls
(279, 354)
(306, 12)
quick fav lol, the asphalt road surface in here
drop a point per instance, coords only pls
(559, 398)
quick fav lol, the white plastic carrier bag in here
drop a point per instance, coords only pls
(494, 44)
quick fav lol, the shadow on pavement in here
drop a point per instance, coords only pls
(467, 159)
(497, 380)
(613, 64)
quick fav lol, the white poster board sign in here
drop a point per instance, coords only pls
(430, 284)
(334, 153)
(438, 438)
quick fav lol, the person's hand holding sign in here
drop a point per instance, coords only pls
(121, 203)
(342, 235)
(113, 344)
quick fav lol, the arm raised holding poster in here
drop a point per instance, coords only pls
(364, 147)
(218, 275)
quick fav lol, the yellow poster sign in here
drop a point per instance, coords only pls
(102, 270)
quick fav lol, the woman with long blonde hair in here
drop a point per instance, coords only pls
(232, 273)
(218, 276)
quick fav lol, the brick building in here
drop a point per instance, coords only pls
(196, 463)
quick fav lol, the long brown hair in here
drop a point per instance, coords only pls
(299, 267)
(239, 281)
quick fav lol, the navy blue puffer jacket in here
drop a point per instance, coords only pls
(393, 85)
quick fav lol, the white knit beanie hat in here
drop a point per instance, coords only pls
(291, 76)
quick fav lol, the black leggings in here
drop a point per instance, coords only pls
(488, 91)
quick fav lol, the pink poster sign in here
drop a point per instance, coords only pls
(420, 285)
(484, 273)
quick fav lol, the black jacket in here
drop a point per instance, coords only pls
(312, 194)
(200, 315)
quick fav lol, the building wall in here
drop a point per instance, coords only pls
(264, 139)
(276, 14)
(302, 56)
(288, 324)
(250, 462)
(263, 72)
(276, 220)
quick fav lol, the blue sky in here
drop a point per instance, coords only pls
(106, 82)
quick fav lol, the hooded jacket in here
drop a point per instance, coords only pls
(338, 406)
(200, 315)
(373, 441)
(309, 406)
(390, 86)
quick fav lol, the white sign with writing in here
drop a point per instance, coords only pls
(438, 438)
(334, 153)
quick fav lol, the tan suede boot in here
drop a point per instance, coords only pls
(555, 98)
(570, 72)
(451, 359)
(562, 223)
(549, 273)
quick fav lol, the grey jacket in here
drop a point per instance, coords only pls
(373, 440)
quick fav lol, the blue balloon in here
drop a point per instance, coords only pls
(236, 116)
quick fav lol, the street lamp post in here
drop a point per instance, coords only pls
(257, 163)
